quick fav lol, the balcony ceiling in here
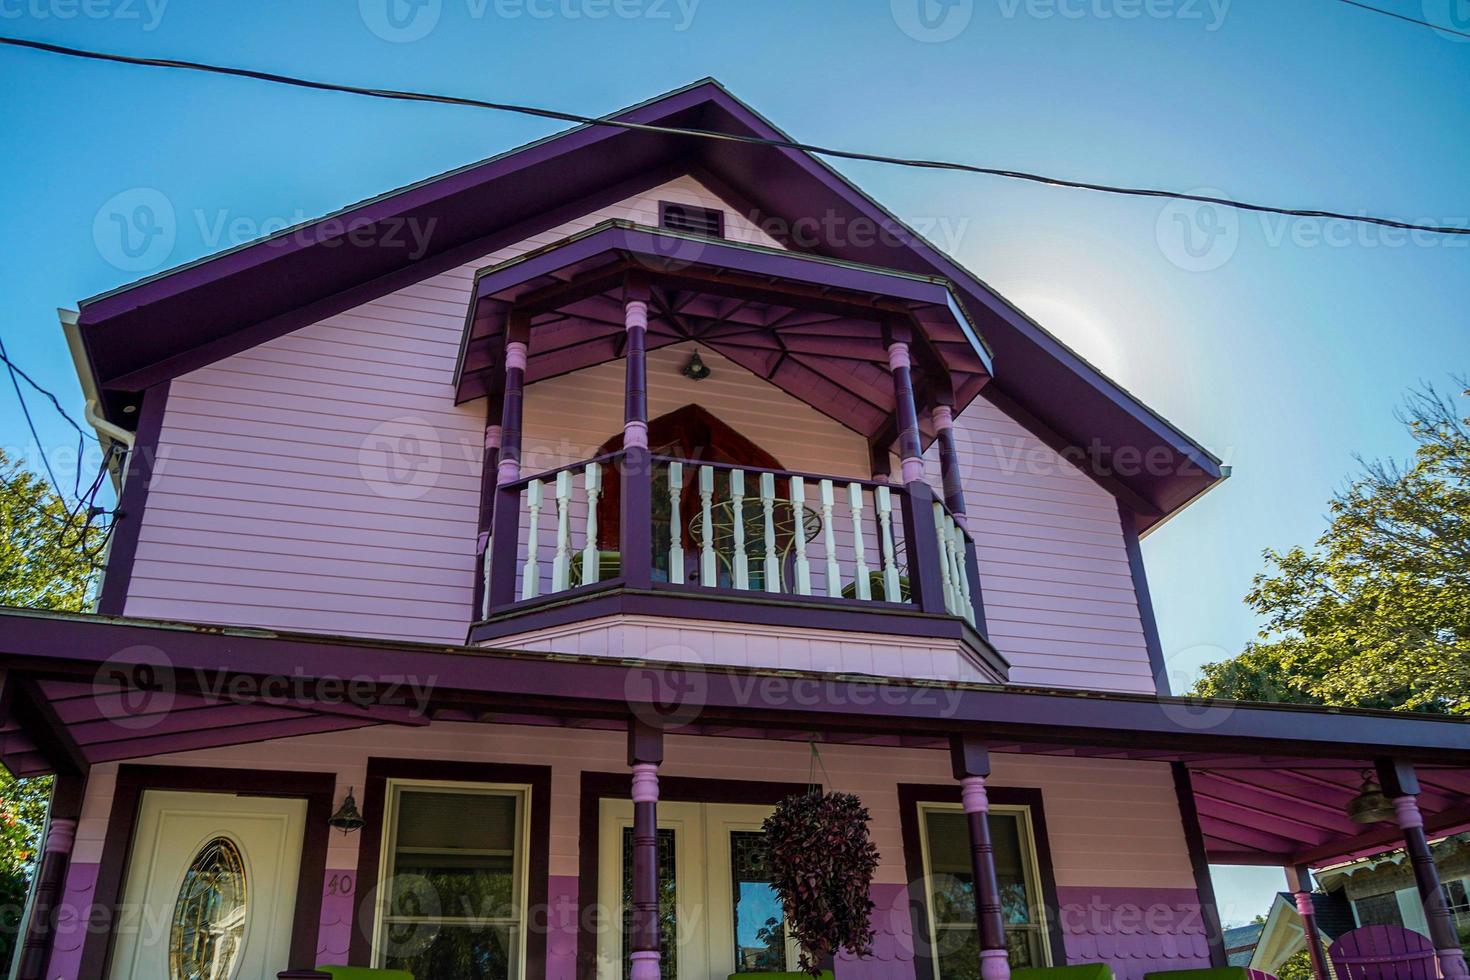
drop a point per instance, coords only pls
(813, 327)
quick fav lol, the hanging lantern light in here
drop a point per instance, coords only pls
(1370, 805)
(696, 369)
(347, 818)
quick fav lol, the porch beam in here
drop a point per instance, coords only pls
(970, 760)
(1402, 786)
(1299, 883)
(1194, 838)
(645, 755)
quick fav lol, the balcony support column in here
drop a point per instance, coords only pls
(505, 510)
(1401, 785)
(942, 417)
(489, 478)
(645, 754)
(517, 350)
(970, 760)
(1299, 883)
(635, 536)
(901, 365)
(61, 833)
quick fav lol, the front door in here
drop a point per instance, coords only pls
(211, 888)
(719, 914)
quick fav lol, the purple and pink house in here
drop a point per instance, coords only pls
(494, 554)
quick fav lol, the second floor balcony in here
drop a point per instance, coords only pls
(686, 517)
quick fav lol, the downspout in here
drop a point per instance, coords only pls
(105, 430)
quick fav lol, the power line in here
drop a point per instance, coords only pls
(16, 370)
(30, 422)
(1404, 17)
(571, 117)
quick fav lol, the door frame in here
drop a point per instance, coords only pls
(597, 786)
(317, 788)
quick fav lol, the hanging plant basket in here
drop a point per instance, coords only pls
(822, 862)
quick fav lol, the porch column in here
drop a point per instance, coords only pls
(505, 512)
(635, 537)
(645, 753)
(1400, 784)
(901, 364)
(61, 832)
(489, 479)
(971, 762)
(942, 417)
(1299, 883)
(879, 464)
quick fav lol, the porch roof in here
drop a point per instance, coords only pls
(812, 326)
(1271, 782)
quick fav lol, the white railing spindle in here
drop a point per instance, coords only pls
(798, 509)
(561, 564)
(741, 572)
(962, 572)
(591, 557)
(829, 541)
(531, 572)
(884, 502)
(676, 523)
(862, 580)
(708, 569)
(944, 557)
(768, 507)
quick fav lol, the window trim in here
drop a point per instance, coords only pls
(520, 859)
(536, 823)
(912, 799)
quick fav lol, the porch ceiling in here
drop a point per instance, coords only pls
(811, 326)
(1271, 783)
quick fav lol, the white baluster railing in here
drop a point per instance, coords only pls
(591, 557)
(798, 507)
(531, 572)
(862, 580)
(945, 565)
(676, 523)
(772, 567)
(883, 497)
(829, 541)
(561, 563)
(961, 572)
(709, 574)
(741, 563)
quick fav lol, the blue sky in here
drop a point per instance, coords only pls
(1283, 346)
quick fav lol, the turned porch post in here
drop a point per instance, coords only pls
(489, 480)
(942, 417)
(901, 365)
(926, 574)
(635, 537)
(61, 832)
(505, 515)
(1401, 785)
(645, 753)
(971, 762)
(1299, 883)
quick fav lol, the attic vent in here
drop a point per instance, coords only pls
(687, 217)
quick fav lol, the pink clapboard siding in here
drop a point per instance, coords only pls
(325, 480)
(1059, 597)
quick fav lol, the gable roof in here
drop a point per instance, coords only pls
(177, 321)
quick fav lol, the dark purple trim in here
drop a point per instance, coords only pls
(128, 521)
(926, 575)
(1155, 645)
(735, 606)
(67, 792)
(538, 858)
(598, 786)
(1199, 862)
(133, 781)
(74, 645)
(910, 795)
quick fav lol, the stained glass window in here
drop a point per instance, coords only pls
(760, 923)
(209, 917)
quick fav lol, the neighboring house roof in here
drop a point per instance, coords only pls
(1240, 943)
(1281, 936)
(183, 319)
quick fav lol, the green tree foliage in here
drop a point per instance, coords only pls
(1377, 614)
(43, 564)
(42, 561)
(1297, 966)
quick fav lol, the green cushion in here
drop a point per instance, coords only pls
(363, 973)
(1215, 973)
(1081, 971)
(826, 975)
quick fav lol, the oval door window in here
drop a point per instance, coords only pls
(208, 931)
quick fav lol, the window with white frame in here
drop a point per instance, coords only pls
(452, 900)
(945, 837)
(1458, 899)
